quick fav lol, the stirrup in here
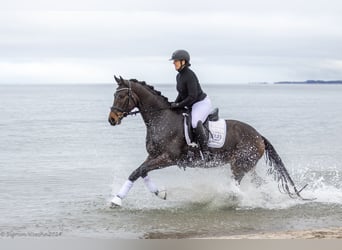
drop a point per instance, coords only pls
(193, 145)
(205, 156)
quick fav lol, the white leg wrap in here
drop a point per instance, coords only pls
(116, 201)
(150, 185)
(125, 189)
(161, 194)
(153, 188)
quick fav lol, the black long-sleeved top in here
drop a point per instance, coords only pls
(189, 89)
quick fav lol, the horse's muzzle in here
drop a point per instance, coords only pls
(112, 121)
(114, 118)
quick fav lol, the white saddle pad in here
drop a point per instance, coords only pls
(217, 135)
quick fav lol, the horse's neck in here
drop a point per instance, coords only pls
(150, 100)
(150, 105)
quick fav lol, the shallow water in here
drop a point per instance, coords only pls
(61, 161)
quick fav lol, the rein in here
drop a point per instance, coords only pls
(113, 108)
(149, 111)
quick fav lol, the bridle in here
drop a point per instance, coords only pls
(125, 112)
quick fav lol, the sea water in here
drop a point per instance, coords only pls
(61, 162)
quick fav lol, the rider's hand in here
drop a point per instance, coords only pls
(174, 105)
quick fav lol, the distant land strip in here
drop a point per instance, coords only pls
(311, 82)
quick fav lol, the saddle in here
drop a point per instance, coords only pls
(213, 118)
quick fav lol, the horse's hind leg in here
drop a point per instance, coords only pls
(239, 169)
(245, 157)
(242, 163)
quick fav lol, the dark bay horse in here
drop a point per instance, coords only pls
(166, 145)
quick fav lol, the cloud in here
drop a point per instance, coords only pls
(304, 7)
(81, 42)
(107, 34)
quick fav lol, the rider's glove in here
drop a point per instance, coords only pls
(174, 105)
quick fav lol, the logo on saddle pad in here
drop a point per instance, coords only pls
(217, 133)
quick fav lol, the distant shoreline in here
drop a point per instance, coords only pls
(310, 82)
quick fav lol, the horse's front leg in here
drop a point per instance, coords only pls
(150, 164)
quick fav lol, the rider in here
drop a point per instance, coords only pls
(190, 95)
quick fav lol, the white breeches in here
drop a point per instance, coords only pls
(200, 111)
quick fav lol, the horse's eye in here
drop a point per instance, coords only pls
(119, 95)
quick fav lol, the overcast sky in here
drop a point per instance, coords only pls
(86, 41)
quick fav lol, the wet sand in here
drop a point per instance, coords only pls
(328, 233)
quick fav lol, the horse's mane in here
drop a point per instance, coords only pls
(151, 88)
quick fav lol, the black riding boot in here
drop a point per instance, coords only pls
(202, 139)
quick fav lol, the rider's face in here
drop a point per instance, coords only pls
(178, 64)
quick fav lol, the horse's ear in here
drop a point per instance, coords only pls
(121, 79)
(117, 79)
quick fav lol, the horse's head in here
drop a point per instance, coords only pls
(124, 101)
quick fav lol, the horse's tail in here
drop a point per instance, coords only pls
(277, 168)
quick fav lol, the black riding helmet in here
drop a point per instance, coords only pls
(180, 55)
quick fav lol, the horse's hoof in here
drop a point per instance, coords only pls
(161, 194)
(116, 202)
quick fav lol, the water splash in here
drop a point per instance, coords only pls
(215, 189)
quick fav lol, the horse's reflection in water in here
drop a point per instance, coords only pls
(166, 145)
